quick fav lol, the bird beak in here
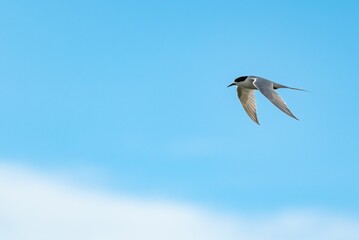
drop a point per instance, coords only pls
(232, 84)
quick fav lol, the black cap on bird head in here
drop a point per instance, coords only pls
(239, 79)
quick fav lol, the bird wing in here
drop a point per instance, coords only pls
(248, 100)
(266, 88)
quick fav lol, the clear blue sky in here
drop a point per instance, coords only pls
(130, 97)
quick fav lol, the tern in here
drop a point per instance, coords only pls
(246, 85)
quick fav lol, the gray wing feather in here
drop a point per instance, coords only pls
(248, 100)
(266, 88)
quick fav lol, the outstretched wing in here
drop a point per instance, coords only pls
(248, 100)
(266, 88)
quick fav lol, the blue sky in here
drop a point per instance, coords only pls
(130, 97)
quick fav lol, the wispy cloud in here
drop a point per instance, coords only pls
(33, 206)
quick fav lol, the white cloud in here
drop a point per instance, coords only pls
(32, 206)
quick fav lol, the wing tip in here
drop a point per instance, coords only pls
(256, 121)
(292, 115)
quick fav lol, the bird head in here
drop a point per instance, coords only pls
(237, 81)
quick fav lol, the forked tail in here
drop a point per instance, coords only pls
(276, 86)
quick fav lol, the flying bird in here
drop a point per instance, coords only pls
(246, 85)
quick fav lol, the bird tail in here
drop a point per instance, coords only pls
(276, 86)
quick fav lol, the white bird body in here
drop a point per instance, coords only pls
(248, 83)
(245, 90)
